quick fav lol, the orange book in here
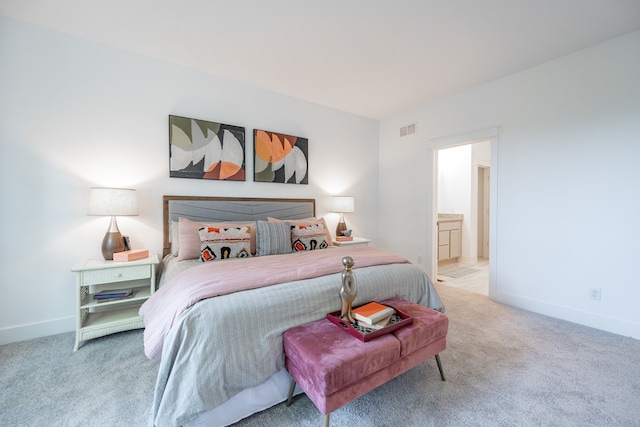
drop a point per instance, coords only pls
(130, 255)
(372, 312)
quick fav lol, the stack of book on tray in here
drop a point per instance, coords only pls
(113, 295)
(373, 315)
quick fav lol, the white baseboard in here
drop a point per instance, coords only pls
(37, 330)
(593, 320)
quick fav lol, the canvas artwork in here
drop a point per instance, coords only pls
(280, 158)
(206, 150)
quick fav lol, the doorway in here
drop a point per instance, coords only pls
(463, 215)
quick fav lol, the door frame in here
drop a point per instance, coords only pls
(490, 134)
(484, 206)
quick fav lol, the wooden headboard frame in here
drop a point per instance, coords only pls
(213, 209)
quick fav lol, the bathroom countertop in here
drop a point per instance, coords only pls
(450, 217)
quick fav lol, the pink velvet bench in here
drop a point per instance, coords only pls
(333, 368)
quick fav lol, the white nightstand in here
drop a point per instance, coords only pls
(104, 318)
(357, 242)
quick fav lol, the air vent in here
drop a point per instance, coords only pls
(410, 129)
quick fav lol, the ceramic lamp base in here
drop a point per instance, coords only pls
(112, 241)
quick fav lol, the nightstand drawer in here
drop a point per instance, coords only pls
(120, 274)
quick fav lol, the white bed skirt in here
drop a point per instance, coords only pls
(248, 402)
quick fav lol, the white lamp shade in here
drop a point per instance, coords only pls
(342, 204)
(113, 201)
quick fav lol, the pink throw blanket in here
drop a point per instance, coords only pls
(223, 277)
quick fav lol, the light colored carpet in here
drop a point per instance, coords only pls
(107, 382)
(455, 271)
(504, 367)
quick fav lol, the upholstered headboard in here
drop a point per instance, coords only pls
(213, 209)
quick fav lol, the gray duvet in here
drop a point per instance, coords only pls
(225, 344)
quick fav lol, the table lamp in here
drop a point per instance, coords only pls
(113, 202)
(342, 205)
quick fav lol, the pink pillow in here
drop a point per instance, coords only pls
(299, 222)
(189, 239)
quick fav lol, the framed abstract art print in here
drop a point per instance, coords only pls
(280, 158)
(206, 150)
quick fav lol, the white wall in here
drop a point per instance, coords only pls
(564, 167)
(75, 114)
(454, 180)
(455, 190)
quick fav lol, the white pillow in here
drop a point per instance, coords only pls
(174, 237)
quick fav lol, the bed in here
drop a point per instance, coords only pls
(217, 320)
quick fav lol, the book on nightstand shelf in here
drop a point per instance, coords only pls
(373, 313)
(113, 299)
(113, 295)
(344, 238)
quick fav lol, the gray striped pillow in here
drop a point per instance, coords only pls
(273, 238)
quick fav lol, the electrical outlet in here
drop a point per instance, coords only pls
(419, 259)
(594, 293)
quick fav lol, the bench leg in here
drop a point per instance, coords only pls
(440, 367)
(291, 388)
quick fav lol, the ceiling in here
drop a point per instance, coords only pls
(374, 58)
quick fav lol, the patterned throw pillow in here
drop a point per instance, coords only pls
(307, 222)
(308, 237)
(218, 243)
(189, 240)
